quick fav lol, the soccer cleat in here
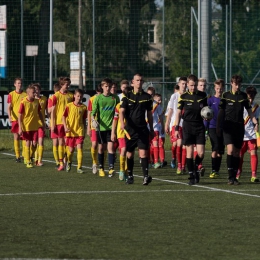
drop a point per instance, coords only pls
(68, 167)
(191, 181)
(254, 179)
(197, 177)
(236, 182)
(179, 171)
(79, 170)
(163, 164)
(173, 163)
(101, 173)
(130, 180)
(202, 171)
(39, 164)
(157, 165)
(230, 181)
(111, 172)
(214, 175)
(147, 180)
(183, 171)
(18, 160)
(121, 176)
(94, 169)
(29, 165)
(61, 168)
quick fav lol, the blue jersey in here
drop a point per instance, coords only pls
(213, 102)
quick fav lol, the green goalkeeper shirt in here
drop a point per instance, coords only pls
(104, 109)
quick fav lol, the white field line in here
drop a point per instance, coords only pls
(238, 192)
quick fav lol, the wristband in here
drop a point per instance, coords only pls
(176, 128)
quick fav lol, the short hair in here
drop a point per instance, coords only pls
(63, 80)
(16, 79)
(30, 86)
(176, 87)
(157, 95)
(220, 82)
(202, 80)
(37, 85)
(151, 89)
(192, 77)
(80, 91)
(107, 81)
(137, 74)
(251, 91)
(124, 81)
(99, 88)
(56, 87)
(236, 79)
(182, 79)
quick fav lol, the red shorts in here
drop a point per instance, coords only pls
(74, 141)
(122, 143)
(93, 135)
(58, 132)
(30, 135)
(249, 145)
(15, 127)
(173, 138)
(156, 136)
(41, 133)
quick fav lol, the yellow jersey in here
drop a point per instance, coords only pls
(119, 132)
(43, 104)
(14, 99)
(90, 106)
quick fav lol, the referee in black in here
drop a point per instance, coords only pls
(231, 110)
(135, 106)
(189, 107)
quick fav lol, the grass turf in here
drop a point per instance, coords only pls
(50, 214)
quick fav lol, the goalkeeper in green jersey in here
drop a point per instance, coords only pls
(104, 109)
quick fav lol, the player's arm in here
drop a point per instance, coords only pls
(53, 113)
(20, 118)
(168, 120)
(65, 115)
(178, 118)
(84, 117)
(150, 122)
(95, 111)
(253, 118)
(122, 117)
(9, 108)
(114, 125)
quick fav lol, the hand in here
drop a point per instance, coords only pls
(113, 137)
(256, 127)
(95, 123)
(66, 129)
(167, 130)
(176, 134)
(89, 132)
(122, 127)
(20, 132)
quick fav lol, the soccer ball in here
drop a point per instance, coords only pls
(207, 113)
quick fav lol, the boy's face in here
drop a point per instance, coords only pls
(201, 86)
(113, 89)
(192, 86)
(106, 89)
(150, 92)
(219, 90)
(158, 99)
(235, 87)
(137, 82)
(123, 86)
(18, 85)
(65, 86)
(37, 91)
(251, 98)
(182, 84)
(31, 93)
(78, 97)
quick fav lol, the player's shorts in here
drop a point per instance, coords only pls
(173, 137)
(139, 138)
(193, 133)
(74, 141)
(122, 143)
(93, 135)
(15, 127)
(217, 142)
(104, 137)
(59, 132)
(156, 136)
(233, 133)
(30, 135)
(249, 145)
(41, 133)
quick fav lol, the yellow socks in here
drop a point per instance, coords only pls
(17, 148)
(94, 155)
(79, 157)
(122, 162)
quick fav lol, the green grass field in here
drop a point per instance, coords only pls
(50, 214)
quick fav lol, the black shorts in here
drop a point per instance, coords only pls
(139, 138)
(104, 137)
(193, 133)
(217, 142)
(233, 133)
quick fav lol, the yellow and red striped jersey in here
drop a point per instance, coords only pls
(14, 99)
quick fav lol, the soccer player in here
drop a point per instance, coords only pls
(231, 109)
(74, 121)
(249, 143)
(13, 100)
(170, 124)
(55, 142)
(118, 134)
(102, 118)
(40, 144)
(28, 120)
(59, 101)
(217, 142)
(151, 90)
(189, 108)
(91, 131)
(133, 110)
(123, 85)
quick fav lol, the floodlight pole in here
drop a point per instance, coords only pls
(22, 39)
(51, 45)
(34, 70)
(80, 47)
(94, 51)
(163, 53)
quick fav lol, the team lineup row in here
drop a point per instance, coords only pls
(133, 119)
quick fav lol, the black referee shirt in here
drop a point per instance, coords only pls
(234, 104)
(191, 104)
(136, 105)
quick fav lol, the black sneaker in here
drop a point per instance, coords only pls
(147, 180)
(163, 164)
(197, 177)
(230, 181)
(191, 181)
(130, 180)
(18, 160)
